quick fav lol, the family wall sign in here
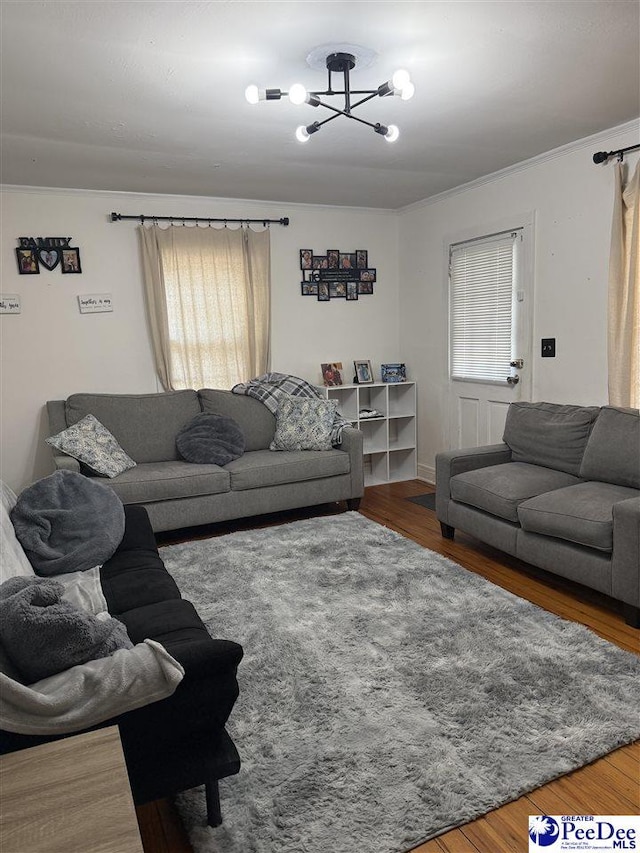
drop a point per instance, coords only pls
(47, 252)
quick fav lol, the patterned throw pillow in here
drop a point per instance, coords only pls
(91, 443)
(304, 423)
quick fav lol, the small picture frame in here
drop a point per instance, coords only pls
(333, 259)
(27, 262)
(362, 259)
(70, 261)
(367, 275)
(393, 372)
(337, 289)
(331, 373)
(309, 288)
(320, 262)
(365, 288)
(364, 373)
(347, 260)
(306, 259)
(323, 291)
(352, 291)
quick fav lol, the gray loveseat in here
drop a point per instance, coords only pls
(562, 492)
(179, 494)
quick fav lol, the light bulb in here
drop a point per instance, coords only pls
(252, 94)
(407, 91)
(392, 133)
(297, 94)
(400, 79)
(302, 135)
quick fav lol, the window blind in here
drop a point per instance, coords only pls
(482, 281)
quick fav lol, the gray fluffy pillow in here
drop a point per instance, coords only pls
(210, 439)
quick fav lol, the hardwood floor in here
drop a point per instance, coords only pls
(610, 785)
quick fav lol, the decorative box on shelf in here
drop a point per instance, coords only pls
(386, 414)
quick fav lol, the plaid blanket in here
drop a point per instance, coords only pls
(271, 387)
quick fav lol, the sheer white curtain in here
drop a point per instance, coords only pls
(624, 293)
(208, 302)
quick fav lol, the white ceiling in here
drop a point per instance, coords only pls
(149, 96)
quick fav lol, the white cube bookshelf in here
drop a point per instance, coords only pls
(390, 439)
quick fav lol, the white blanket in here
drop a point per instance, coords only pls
(89, 693)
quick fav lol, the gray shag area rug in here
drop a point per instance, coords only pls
(387, 694)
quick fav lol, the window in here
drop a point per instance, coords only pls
(208, 296)
(483, 281)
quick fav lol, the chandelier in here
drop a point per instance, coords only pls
(339, 63)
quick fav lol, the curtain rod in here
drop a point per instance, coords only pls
(115, 217)
(603, 156)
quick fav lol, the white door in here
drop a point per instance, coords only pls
(490, 296)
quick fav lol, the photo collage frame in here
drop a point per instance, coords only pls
(336, 274)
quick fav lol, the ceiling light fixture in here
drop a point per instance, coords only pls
(339, 63)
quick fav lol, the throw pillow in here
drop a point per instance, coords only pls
(304, 423)
(210, 439)
(90, 442)
(43, 635)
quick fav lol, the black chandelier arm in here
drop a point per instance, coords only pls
(342, 92)
(343, 113)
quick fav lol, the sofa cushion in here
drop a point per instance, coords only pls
(613, 450)
(582, 514)
(500, 489)
(145, 425)
(91, 443)
(264, 468)
(549, 434)
(210, 439)
(254, 419)
(163, 481)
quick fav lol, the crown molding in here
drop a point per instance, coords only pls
(124, 196)
(600, 138)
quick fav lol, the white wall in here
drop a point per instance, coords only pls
(572, 200)
(50, 350)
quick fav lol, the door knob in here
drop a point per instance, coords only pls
(513, 380)
(517, 363)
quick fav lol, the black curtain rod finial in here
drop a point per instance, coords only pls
(603, 156)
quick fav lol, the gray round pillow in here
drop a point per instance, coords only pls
(210, 439)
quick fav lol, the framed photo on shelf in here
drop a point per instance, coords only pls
(364, 373)
(70, 261)
(393, 372)
(27, 262)
(331, 374)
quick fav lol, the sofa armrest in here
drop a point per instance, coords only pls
(452, 462)
(66, 463)
(625, 560)
(353, 443)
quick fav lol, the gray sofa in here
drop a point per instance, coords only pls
(562, 492)
(179, 494)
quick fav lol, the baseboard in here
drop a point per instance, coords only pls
(427, 474)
